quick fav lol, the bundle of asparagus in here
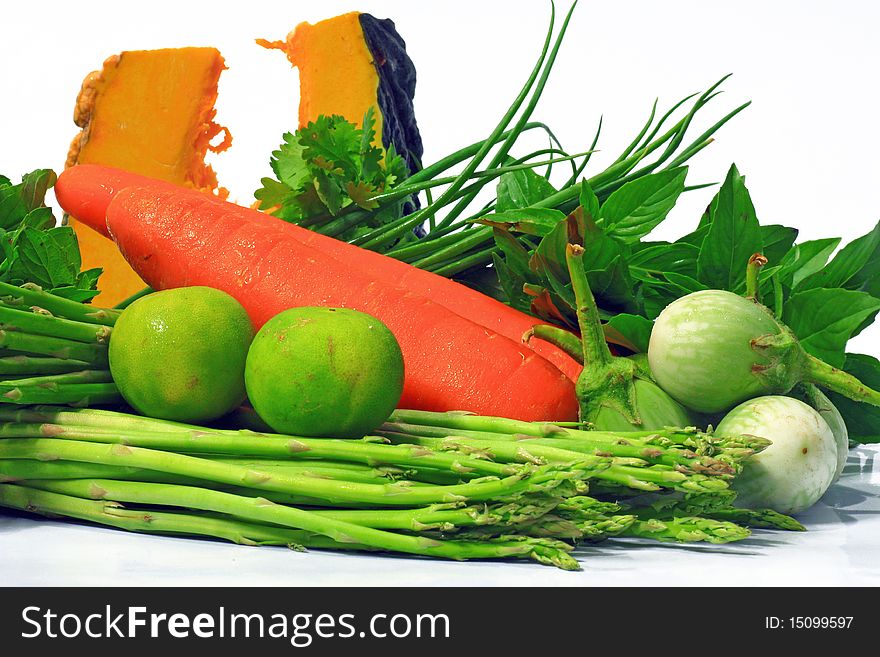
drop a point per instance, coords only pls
(434, 484)
(53, 350)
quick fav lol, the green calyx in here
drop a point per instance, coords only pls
(609, 387)
(782, 360)
(612, 392)
(785, 363)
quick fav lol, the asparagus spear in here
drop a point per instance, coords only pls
(687, 530)
(34, 323)
(446, 517)
(60, 393)
(22, 364)
(20, 469)
(761, 518)
(49, 380)
(161, 522)
(623, 446)
(184, 438)
(17, 469)
(206, 441)
(648, 478)
(263, 511)
(461, 423)
(392, 494)
(31, 296)
(93, 353)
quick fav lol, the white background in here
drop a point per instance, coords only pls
(808, 146)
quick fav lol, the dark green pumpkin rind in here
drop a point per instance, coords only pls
(397, 88)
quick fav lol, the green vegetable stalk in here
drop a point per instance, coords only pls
(613, 393)
(54, 349)
(456, 486)
(393, 494)
(260, 510)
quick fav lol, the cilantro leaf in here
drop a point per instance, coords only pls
(329, 167)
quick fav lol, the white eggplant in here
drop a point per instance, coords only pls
(796, 470)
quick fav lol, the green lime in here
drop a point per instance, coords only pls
(324, 372)
(180, 354)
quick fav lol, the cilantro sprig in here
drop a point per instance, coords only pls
(329, 166)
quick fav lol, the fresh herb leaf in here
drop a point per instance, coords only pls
(697, 237)
(34, 250)
(289, 164)
(630, 331)
(588, 200)
(824, 319)
(734, 235)
(512, 284)
(531, 221)
(328, 166)
(612, 283)
(856, 263)
(16, 201)
(805, 259)
(48, 258)
(680, 258)
(638, 207)
(521, 189)
(39, 218)
(777, 241)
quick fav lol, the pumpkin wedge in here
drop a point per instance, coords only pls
(149, 112)
(350, 63)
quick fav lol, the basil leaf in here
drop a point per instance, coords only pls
(630, 331)
(39, 218)
(862, 420)
(695, 238)
(612, 286)
(512, 284)
(635, 209)
(663, 290)
(516, 257)
(855, 264)
(680, 258)
(777, 241)
(734, 235)
(531, 221)
(78, 294)
(88, 279)
(16, 201)
(806, 259)
(589, 201)
(824, 319)
(48, 258)
(34, 186)
(521, 189)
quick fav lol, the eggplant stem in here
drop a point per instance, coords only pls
(753, 272)
(565, 340)
(594, 348)
(827, 376)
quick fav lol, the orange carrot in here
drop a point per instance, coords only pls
(178, 237)
(86, 190)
